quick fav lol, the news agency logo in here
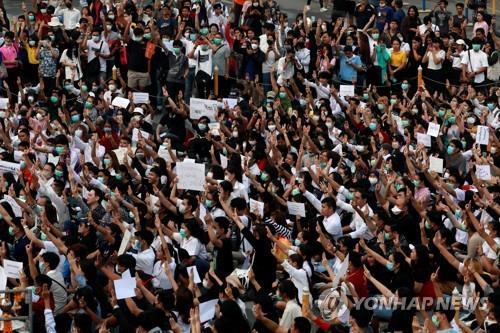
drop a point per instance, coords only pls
(334, 303)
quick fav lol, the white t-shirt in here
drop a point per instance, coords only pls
(457, 60)
(93, 47)
(432, 65)
(475, 61)
(203, 60)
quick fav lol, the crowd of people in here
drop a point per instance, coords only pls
(350, 156)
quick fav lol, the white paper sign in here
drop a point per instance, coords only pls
(191, 176)
(163, 153)
(214, 128)
(53, 159)
(223, 161)
(203, 107)
(436, 164)
(257, 206)
(341, 272)
(120, 102)
(482, 135)
(3, 279)
(135, 135)
(4, 103)
(125, 288)
(120, 154)
(483, 172)
(296, 208)
(9, 167)
(125, 240)
(424, 139)
(346, 90)
(207, 310)
(433, 130)
(140, 98)
(231, 102)
(192, 270)
(12, 268)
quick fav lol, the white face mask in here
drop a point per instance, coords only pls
(182, 209)
(112, 87)
(78, 133)
(255, 46)
(205, 284)
(235, 134)
(210, 174)
(395, 210)
(373, 180)
(271, 127)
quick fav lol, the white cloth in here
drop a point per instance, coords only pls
(144, 260)
(94, 47)
(474, 62)
(71, 17)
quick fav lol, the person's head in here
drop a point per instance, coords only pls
(442, 318)
(460, 8)
(149, 320)
(300, 325)
(396, 44)
(82, 323)
(287, 290)
(476, 44)
(221, 226)
(94, 196)
(328, 206)
(49, 262)
(443, 4)
(413, 11)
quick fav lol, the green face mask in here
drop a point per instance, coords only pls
(59, 150)
(118, 176)
(192, 37)
(380, 106)
(264, 177)
(11, 231)
(365, 96)
(58, 173)
(441, 113)
(282, 94)
(88, 105)
(295, 192)
(217, 41)
(476, 47)
(393, 101)
(416, 183)
(405, 123)
(404, 86)
(85, 88)
(452, 120)
(427, 225)
(375, 36)
(177, 50)
(204, 31)
(147, 36)
(182, 232)
(54, 99)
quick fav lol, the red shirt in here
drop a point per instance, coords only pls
(357, 278)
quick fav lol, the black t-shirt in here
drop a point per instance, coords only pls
(136, 55)
(175, 125)
(224, 258)
(363, 17)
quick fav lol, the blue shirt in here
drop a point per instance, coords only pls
(348, 72)
(384, 16)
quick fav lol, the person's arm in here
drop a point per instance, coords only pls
(31, 236)
(380, 286)
(31, 262)
(480, 229)
(268, 323)
(211, 232)
(50, 323)
(381, 260)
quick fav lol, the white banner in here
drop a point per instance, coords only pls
(203, 107)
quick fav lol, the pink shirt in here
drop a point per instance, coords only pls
(478, 25)
(9, 53)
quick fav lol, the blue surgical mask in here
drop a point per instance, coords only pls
(296, 242)
(372, 126)
(183, 234)
(450, 150)
(209, 203)
(264, 177)
(404, 86)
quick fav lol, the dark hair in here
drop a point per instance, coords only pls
(83, 322)
(302, 324)
(329, 202)
(222, 222)
(287, 288)
(51, 259)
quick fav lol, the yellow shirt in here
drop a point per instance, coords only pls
(32, 55)
(398, 58)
